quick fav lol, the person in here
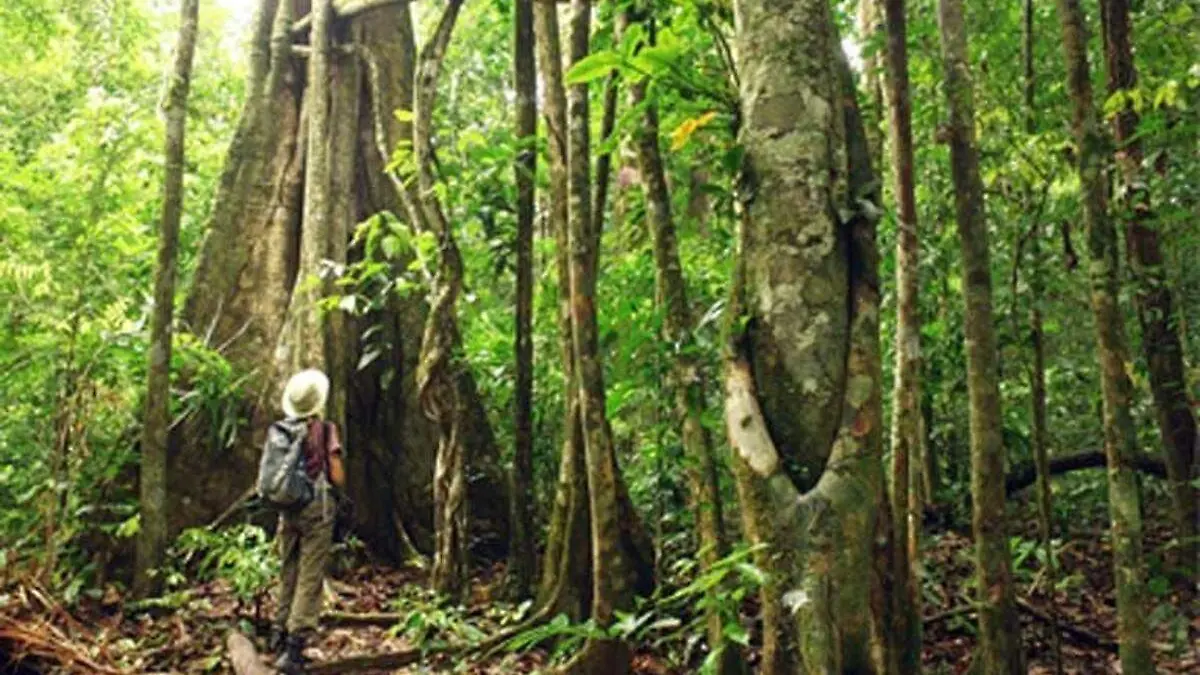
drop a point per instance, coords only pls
(305, 535)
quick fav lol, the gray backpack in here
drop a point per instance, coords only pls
(283, 482)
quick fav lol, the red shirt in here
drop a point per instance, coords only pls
(321, 444)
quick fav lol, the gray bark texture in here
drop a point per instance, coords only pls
(802, 377)
(154, 535)
(1120, 433)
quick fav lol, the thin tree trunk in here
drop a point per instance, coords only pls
(802, 373)
(870, 27)
(688, 381)
(1000, 649)
(612, 570)
(522, 567)
(566, 582)
(1161, 345)
(1120, 435)
(438, 370)
(1041, 455)
(906, 401)
(153, 537)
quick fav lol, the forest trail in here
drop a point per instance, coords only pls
(191, 636)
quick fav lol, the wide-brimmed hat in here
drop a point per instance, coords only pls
(305, 394)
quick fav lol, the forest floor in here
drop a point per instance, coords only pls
(189, 637)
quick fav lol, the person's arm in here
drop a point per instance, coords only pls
(337, 469)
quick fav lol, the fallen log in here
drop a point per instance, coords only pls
(1025, 474)
(244, 657)
(391, 661)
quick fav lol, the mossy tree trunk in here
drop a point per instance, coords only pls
(1000, 649)
(1161, 345)
(687, 377)
(153, 536)
(802, 375)
(906, 400)
(522, 567)
(1120, 434)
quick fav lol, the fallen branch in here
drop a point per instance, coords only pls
(348, 620)
(1025, 474)
(1081, 635)
(371, 662)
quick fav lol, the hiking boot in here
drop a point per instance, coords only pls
(278, 640)
(292, 661)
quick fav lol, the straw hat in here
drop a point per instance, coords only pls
(305, 394)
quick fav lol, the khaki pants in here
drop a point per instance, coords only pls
(305, 541)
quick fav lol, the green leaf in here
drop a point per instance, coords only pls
(593, 67)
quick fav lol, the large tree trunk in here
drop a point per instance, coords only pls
(688, 380)
(153, 537)
(1161, 345)
(1000, 649)
(522, 566)
(906, 400)
(249, 263)
(1120, 434)
(1037, 384)
(802, 379)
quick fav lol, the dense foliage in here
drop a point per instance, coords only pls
(80, 176)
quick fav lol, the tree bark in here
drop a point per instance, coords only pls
(522, 567)
(612, 569)
(803, 363)
(1161, 345)
(687, 380)
(438, 370)
(154, 534)
(566, 580)
(305, 339)
(906, 400)
(247, 268)
(1120, 435)
(1037, 388)
(1000, 649)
